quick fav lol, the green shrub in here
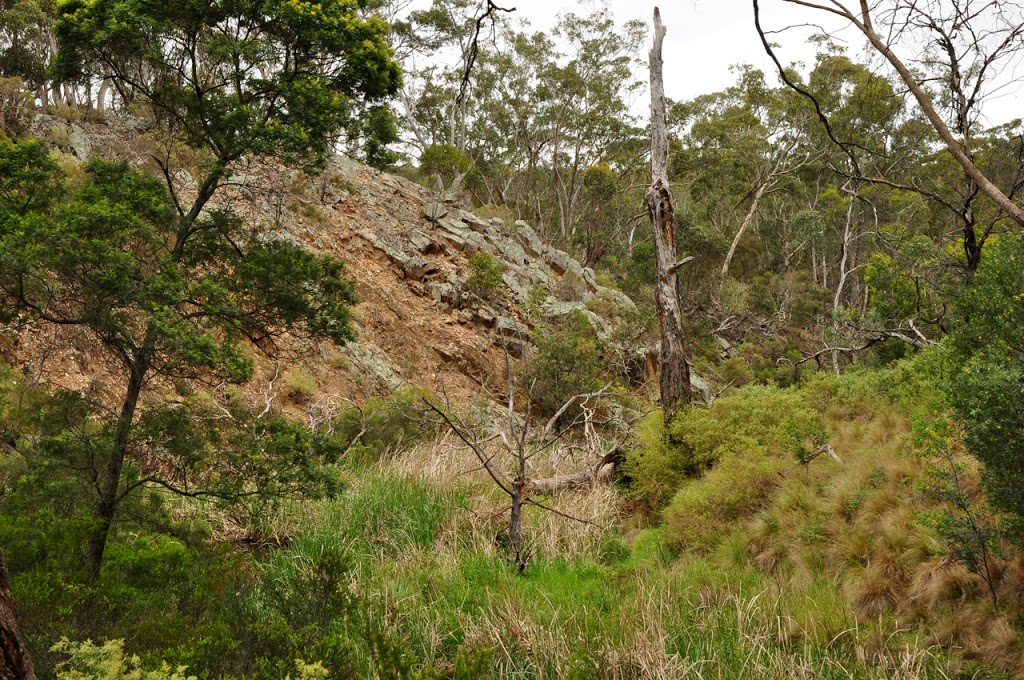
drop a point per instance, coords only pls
(775, 421)
(446, 162)
(986, 358)
(300, 385)
(386, 424)
(750, 425)
(654, 468)
(485, 277)
(566, 361)
(704, 510)
(88, 661)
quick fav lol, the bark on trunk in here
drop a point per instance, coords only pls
(110, 483)
(15, 661)
(675, 372)
(515, 524)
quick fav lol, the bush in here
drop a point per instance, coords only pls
(445, 162)
(566, 361)
(485, 278)
(87, 661)
(986, 355)
(300, 385)
(735, 434)
(385, 424)
(655, 469)
(768, 420)
(703, 510)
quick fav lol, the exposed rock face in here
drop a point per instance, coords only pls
(409, 254)
(419, 322)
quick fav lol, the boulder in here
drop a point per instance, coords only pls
(511, 329)
(415, 268)
(558, 259)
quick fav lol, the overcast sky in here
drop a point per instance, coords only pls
(706, 37)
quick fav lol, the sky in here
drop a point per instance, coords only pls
(705, 37)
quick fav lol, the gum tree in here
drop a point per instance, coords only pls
(276, 79)
(162, 296)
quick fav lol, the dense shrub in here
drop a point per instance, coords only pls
(745, 437)
(445, 162)
(986, 355)
(567, 360)
(485, 277)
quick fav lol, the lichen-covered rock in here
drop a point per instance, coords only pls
(434, 211)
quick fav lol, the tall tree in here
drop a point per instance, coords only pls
(968, 40)
(675, 371)
(163, 296)
(278, 79)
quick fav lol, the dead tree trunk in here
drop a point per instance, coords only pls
(15, 662)
(675, 372)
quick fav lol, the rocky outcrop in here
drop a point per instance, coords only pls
(419, 321)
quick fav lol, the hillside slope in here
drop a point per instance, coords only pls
(419, 321)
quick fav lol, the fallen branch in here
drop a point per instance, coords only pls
(602, 471)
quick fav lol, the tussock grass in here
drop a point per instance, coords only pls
(759, 567)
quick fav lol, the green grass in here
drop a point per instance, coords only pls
(759, 567)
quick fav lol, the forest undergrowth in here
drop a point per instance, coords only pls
(768, 563)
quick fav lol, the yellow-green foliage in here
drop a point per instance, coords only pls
(746, 437)
(656, 469)
(759, 420)
(300, 385)
(490, 210)
(88, 661)
(704, 509)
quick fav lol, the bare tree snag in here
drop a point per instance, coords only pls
(15, 661)
(675, 372)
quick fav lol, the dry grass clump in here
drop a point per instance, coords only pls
(859, 525)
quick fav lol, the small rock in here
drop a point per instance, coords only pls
(475, 223)
(422, 243)
(435, 211)
(702, 387)
(457, 227)
(415, 268)
(558, 259)
(487, 315)
(510, 328)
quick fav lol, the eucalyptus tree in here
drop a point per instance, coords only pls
(738, 148)
(165, 284)
(957, 46)
(550, 106)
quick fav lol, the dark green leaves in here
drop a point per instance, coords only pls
(277, 78)
(115, 257)
(987, 364)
